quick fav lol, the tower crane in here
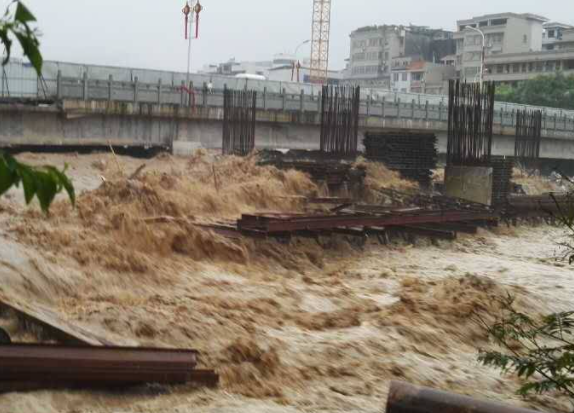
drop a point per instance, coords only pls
(321, 29)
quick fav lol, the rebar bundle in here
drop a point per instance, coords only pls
(239, 109)
(528, 135)
(471, 113)
(340, 119)
(412, 154)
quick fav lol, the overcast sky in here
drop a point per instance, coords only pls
(149, 33)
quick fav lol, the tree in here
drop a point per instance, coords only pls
(555, 91)
(42, 182)
(539, 350)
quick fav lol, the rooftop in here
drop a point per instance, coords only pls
(527, 16)
(551, 25)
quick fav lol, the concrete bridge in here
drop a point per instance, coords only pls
(84, 111)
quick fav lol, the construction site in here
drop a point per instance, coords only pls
(345, 275)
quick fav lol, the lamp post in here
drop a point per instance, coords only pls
(297, 64)
(302, 44)
(482, 55)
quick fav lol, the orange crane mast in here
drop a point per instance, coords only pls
(321, 29)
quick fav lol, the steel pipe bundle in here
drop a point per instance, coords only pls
(239, 110)
(412, 154)
(501, 180)
(340, 119)
(471, 114)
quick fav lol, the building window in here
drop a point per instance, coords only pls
(524, 67)
(531, 67)
(471, 71)
(386, 56)
(550, 47)
(525, 39)
(516, 68)
(405, 77)
(551, 34)
(483, 24)
(395, 77)
(373, 42)
(498, 22)
(417, 77)
(499, 68)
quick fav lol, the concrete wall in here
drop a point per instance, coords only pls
(100, 123)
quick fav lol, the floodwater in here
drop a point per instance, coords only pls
(290, 328)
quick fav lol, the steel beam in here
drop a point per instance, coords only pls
(46, 364)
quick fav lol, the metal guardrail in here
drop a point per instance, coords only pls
(90, 82)
(158, 93)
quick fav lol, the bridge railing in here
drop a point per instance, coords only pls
(380, 106)
(90, 82)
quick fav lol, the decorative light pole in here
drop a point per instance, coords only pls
(483, 53)
(194, 10)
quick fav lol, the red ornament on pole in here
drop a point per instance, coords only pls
(197, 9)
(186, 11)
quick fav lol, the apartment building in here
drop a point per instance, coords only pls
(557, 36)
(422, 77)
(377, 50)
(518, 47)
(512, 68)
(505, 33)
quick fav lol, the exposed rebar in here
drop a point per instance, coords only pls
(239, 110)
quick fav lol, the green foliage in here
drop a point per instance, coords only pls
(555, 91)
(539, 351)
(16, 24)
(43, 182)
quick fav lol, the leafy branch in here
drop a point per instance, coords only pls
(16, 24)
(539, 351)
(43, 182)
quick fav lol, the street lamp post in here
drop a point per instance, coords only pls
(297, 63)
(482, 55)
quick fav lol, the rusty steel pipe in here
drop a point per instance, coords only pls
(406, 398)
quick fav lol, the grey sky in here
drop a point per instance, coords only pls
(149, 33)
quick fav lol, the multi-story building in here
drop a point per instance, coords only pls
(505, 33)
(515, 67)
(557, 36)
(376, 49)
(422, 77)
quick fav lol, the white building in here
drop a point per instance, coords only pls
(506, 33)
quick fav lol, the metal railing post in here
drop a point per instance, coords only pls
(110, 88)
(413, 109)
(301, 101)
(427, 110)
(398, 103)
(85, 86)
(284, 99)
(159, 92)
(383, 111)
(136, 89)
(369, 105)
(58, 86)
(265, 98)
(181, 95)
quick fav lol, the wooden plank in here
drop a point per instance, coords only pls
(48, 319)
